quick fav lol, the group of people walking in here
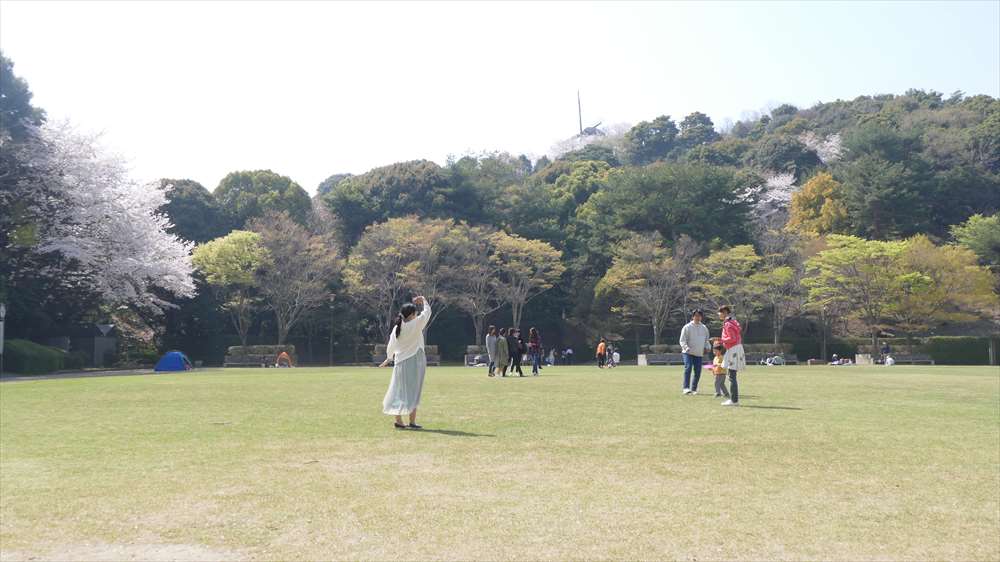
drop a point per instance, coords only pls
(728, 355)
(506, 349)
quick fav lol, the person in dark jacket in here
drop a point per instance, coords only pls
(535, 350)
(516, 346)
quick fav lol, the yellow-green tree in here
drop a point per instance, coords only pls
(477, 292)
(725, 278)
(650, 279)
(865, 274)
(781, 289)
(940, 284)
(230, 265)
(818, 208)
(980, 234)
(527, 269)
(400, 255)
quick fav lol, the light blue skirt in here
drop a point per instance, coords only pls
(407, 383)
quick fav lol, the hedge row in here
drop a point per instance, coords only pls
(957, 350)
(944, 350)
(29, 358)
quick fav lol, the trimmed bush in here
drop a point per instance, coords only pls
(957, 350)
(77, 360)
(782, 348)
(809, 348)
(29, 358)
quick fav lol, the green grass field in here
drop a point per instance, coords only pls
(851, 463)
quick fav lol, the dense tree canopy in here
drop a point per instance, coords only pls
(193, 211)
(419, 186)
(250, 194)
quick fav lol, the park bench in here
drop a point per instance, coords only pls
(649, 359)
(475, 351)
(256, 355)
(913, 359)
(430, 351)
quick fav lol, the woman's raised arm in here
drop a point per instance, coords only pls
(425, 314)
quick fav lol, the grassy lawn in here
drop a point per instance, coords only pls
(819, 463)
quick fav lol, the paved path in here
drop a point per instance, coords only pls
(76, 375)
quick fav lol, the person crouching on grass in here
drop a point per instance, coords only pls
(406, 351)
(734, 360)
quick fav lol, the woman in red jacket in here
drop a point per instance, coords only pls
(735, 359)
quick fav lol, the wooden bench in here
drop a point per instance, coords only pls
(650, 359)
(913, 359)
(248, 361)
(257, 355)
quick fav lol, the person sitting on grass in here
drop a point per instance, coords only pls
(283, 357)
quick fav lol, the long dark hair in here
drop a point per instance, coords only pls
(533, 333)
(408, 309)
(492, 330)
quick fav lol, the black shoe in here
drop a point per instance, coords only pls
(415, 426)
(399, 426)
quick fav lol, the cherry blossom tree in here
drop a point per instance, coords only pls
(108, 224)
(828, 149)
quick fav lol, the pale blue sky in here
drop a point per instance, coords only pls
(186, 89)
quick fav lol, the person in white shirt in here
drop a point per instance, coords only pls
(695, 342)
(406, 351)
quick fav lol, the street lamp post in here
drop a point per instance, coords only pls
(3, 315)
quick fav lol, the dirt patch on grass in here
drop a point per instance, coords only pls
(144, 552)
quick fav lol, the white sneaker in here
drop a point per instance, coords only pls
(687, 391)
(693, 392)
(730, 403)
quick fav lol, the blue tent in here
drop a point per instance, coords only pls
(173, 361)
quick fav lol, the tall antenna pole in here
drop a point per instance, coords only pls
(579, 110)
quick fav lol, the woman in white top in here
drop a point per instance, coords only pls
(406, 351)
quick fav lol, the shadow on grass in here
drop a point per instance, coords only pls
(454, 433)
(771, 407)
